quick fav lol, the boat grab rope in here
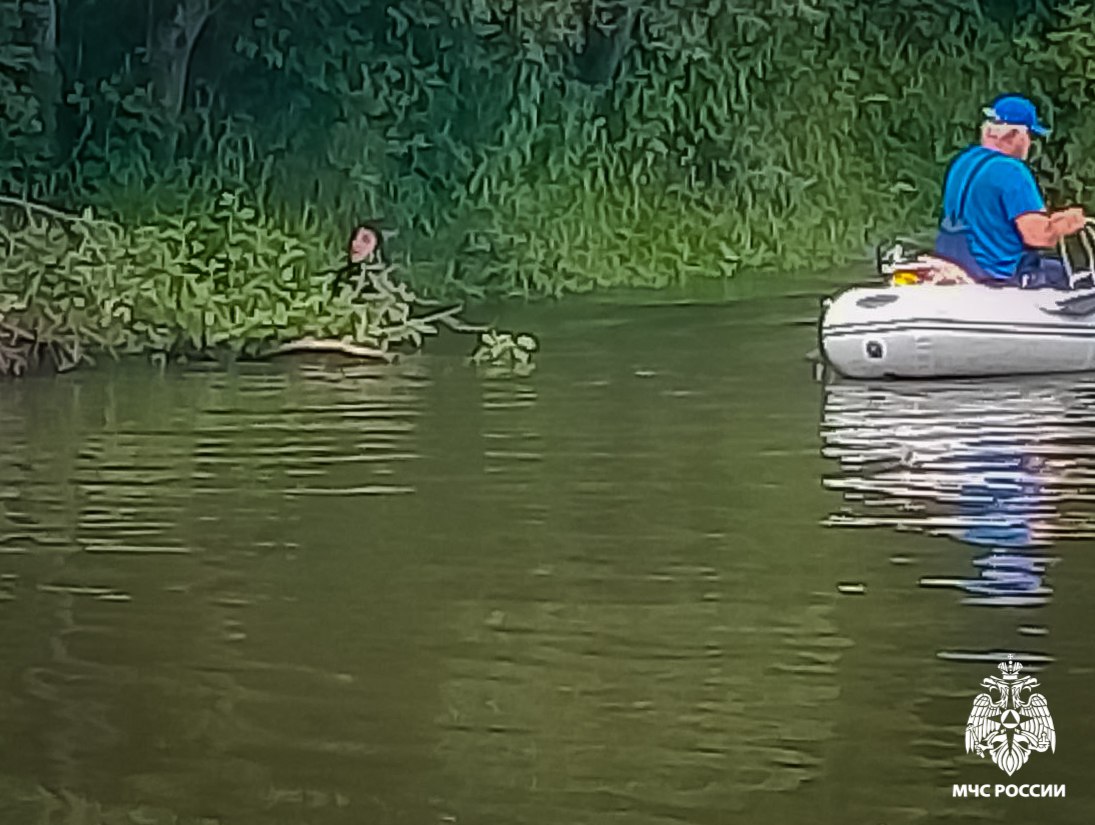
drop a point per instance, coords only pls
(1087, 241)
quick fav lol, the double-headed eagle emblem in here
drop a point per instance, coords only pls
(1010, 726)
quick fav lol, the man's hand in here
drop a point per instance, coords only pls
(1068, 221)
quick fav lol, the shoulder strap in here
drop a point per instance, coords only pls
(967, 184)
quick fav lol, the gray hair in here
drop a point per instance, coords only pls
(996, 130)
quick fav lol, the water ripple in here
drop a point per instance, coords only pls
(1007, 466)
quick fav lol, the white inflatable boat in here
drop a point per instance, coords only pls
(927, 331)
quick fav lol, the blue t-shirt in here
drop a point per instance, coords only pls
(1002, 188)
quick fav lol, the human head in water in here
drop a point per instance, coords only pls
(1010, 121)
(366, 243)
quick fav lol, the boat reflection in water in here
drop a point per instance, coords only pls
(1007, 466)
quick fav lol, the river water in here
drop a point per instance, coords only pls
(669, 577)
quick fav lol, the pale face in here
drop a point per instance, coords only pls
(1019, 145)
(1013, 141)
(362, 245)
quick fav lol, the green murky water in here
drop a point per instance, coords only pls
(669, 577)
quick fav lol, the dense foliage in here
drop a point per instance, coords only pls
(225, 282)
(536, 146)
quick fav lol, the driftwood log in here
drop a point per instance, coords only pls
(333, 345)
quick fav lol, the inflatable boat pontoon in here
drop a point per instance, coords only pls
(927, 330)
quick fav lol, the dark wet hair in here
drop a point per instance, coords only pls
(371, 225)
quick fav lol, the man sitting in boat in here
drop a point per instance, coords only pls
(995, 224)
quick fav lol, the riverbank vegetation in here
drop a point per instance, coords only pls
(226, 282)
(220, 151)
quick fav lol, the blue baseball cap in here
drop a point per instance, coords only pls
(1016, 111)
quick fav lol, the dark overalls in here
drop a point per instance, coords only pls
(1034, 270)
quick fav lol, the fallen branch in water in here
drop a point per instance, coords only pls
(332, 345)
(221, 279)
(456, 325)
(439, 316)
(422, 325)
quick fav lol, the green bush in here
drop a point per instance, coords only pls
(537, 147)
(224, 281)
